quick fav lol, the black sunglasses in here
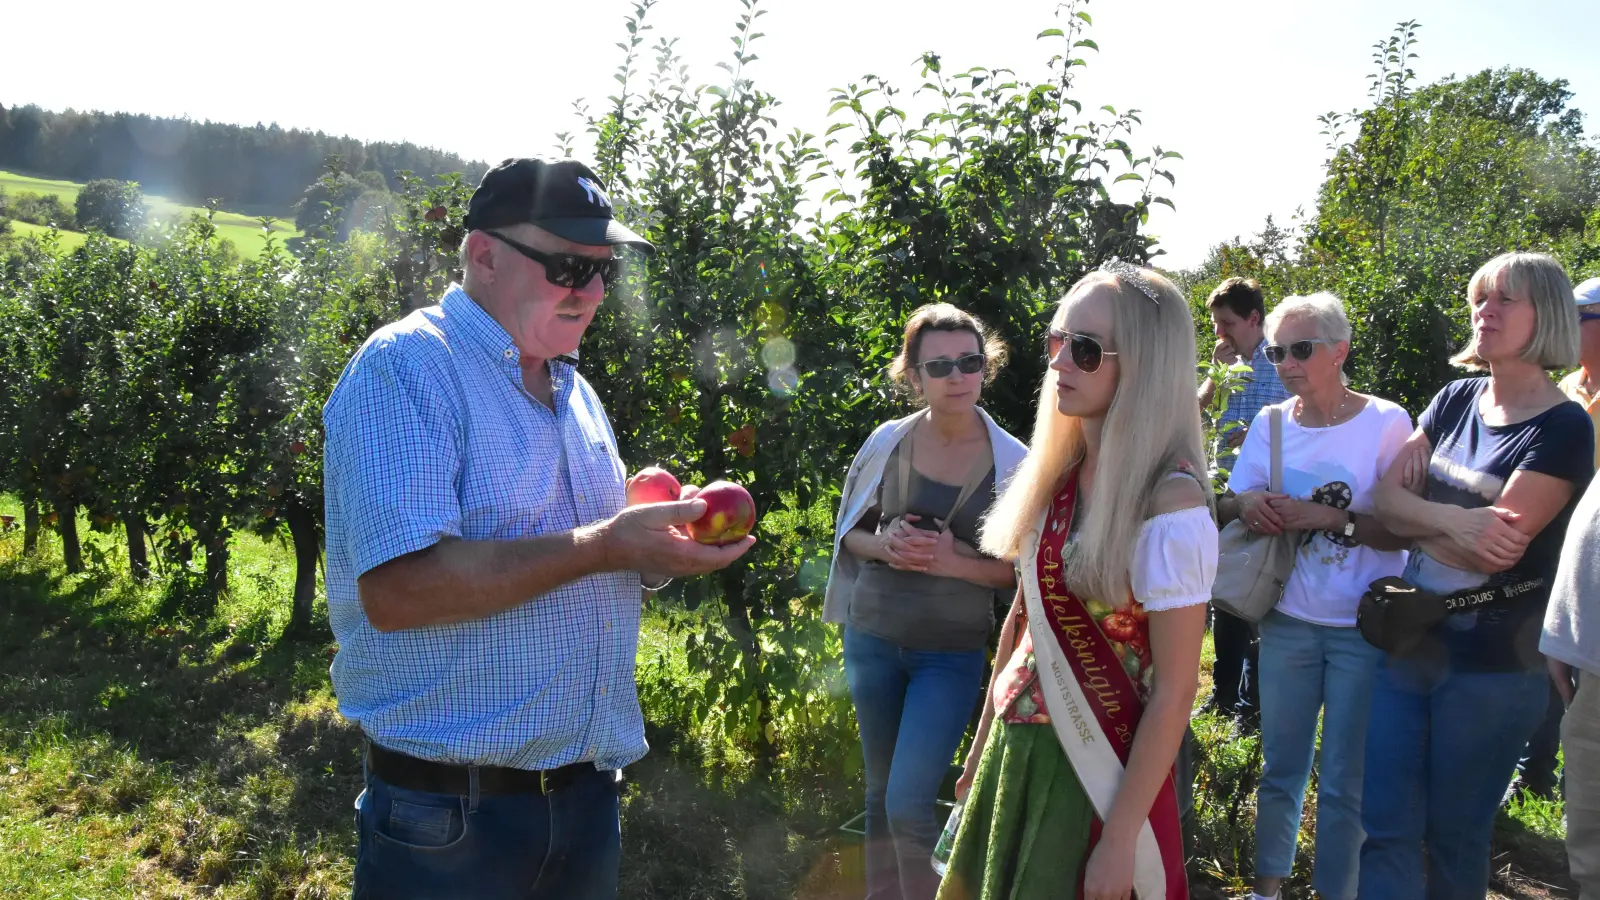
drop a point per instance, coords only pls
(565, 269)
(1589, 317)
(1087, 353)
(1301, 350)
(971, 364)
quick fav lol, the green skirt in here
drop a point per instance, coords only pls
(1025, 831)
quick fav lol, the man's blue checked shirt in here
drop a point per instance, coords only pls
(430, 435)
(1263, 389)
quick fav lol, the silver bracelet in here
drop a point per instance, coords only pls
(657, 586)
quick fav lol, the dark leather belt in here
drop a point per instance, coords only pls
(406, 771)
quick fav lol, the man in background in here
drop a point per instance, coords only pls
(1538, 770)
(1238, 314)
(1572, 650)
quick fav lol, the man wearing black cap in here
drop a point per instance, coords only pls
(483, 576)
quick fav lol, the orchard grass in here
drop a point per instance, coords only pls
(142, 752)
(242, 230)
(68, 240)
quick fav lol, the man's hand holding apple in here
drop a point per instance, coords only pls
(654, 538)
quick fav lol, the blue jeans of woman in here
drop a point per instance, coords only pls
(1307, 669)
(912, 707)
(1442, 745)
(417, 845)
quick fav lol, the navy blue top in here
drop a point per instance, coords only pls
(1472, 461)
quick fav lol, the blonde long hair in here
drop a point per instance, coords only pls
(1152, 427)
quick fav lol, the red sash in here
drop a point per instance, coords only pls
(1114, 702)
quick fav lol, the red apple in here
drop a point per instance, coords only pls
(1120, 626)
(653, 485)
(730, 514)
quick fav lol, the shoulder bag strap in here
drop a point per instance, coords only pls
(1275, 425)
(975, 475)
(902, 456)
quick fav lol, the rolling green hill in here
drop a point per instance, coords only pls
(243, 231)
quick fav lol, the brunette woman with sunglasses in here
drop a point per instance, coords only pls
(915, 596)
(1336, 444)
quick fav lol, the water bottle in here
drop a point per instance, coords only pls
(947, 839)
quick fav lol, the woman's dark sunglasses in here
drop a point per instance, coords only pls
(1301, 350)
(971, 364)
(565, 269)
(1087, 354)
(1589, 317)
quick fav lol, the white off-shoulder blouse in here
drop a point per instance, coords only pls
(1174, 560)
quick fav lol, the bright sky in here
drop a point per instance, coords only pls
(1235, 87)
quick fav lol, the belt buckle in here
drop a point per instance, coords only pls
(544, 782)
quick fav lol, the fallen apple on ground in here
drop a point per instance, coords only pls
(730, 514)
(653, 485)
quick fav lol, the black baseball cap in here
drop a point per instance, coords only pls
(564, 197)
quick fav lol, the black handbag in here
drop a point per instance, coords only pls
(1395, 615)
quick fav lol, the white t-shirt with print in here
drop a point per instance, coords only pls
(1341, 466)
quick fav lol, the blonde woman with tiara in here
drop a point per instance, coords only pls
(1069, 785)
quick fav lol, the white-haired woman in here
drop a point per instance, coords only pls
(1336, 446)
(1069, 782)
(1497, 465)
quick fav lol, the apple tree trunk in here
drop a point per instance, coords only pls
(307, 553)
(30, 527)
(138, 557)
(67, 525)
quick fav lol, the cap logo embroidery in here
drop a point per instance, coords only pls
(594, 192)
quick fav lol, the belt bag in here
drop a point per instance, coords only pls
(1252, 569)
(1395, 615)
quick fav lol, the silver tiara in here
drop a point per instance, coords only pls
(1132, 275)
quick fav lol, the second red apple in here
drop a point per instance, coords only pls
(730, 514)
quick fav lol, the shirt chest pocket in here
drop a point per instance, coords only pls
(598, 490)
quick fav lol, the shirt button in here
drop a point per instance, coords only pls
(509, 353)
(580, 498)
(602, 690)
(608, 626)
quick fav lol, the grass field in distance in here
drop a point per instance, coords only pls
(244, 231)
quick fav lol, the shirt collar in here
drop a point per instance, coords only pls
(475, 324)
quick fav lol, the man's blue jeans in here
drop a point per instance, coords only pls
(1235, 673)
(414, 845)
(1307, 669)
(912, 707)
(1441, 747)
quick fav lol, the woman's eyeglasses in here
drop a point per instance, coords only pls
(565, 269)
(1301, 350)
(1589, 317)
(971, 364)
(1087, 353)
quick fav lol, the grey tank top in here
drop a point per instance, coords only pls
(913, 609)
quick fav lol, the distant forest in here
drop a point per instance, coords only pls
(260, 169)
